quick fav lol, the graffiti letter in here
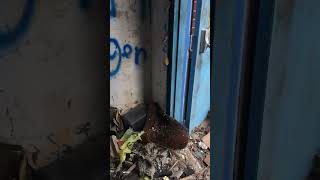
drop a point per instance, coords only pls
(112, 8)
(138, 53)
(117, 52)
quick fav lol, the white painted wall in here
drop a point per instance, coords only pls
(142, 24)
(130, 26)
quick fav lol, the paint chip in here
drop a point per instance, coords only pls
(166, 61)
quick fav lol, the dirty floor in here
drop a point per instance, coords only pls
(151, 161)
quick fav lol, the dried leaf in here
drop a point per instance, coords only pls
(127, 146)
(127, 134)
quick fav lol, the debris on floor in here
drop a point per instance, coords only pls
(127, 145)
(159, 156)
(207, 160)
(116, 126)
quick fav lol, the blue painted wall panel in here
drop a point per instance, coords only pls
(291, 129)
(221, 85)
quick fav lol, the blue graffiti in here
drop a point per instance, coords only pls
(12, 35)
(114, 55)
(138, 54)
(125, 52)
(112, 8)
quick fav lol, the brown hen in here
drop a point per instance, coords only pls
(163, 130)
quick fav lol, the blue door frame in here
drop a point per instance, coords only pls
(229, 32)
(178, 56)
(258, 91)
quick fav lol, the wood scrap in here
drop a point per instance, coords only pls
(115, 144)
(206, 140)
(207, 160)
(130, 169)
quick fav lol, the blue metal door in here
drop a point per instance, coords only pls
(180, 44)
(198, 98)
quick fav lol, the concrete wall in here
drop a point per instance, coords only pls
(137, 72)
(291, 127)
(52, 80)
(160, 16)
(130, 51)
